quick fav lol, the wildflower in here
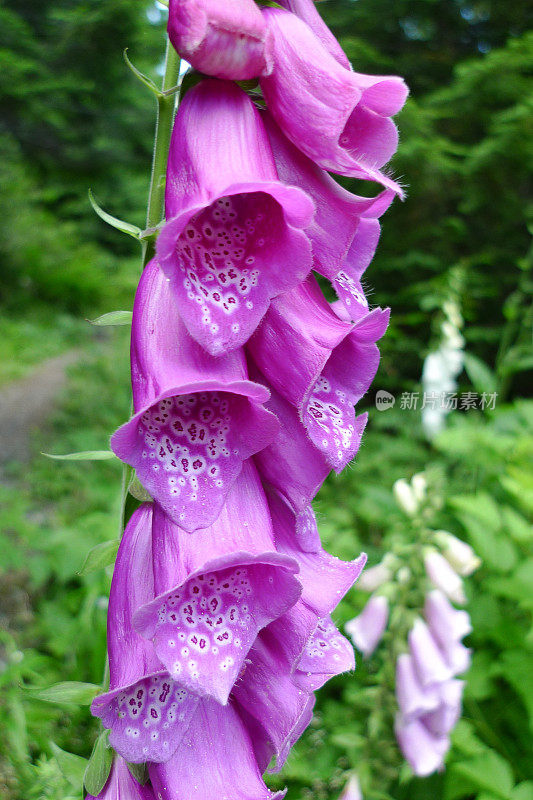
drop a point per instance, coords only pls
(341, 252)
(215, 591)
(338, 118)
(405, 497)
(234, 236)
(374, 577)
(307, 11)
(226, 40)
(197, 418)
(368, 627)
(122, 784)
(321, 364)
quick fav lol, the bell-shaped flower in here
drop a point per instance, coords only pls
(291, 463)
(321, 364)
(339, 118)
(306, 635)
(424, 752)
(216, 759)
(234, 235)
(441, 720)
(145, 710)
(368, 627)
(428, 659)
(275, 709)
(445, 622)
(226, 40)
(443, 576)
(216, 590)
(343, 250)
(307, 11)
(197, 417)
(413, 699)
(121, 785)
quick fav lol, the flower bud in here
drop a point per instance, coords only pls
(405, 497)
(459, 554)
(441, 575)
(419, 485)
(368, 627)
(374, 577)
(225, 40)
(352, 790)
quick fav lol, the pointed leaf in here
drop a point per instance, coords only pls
(482, 377)
(67, 693)
(113, 318)
(99, 766)
(71, 766)
(139, 772)
(148, 82)
(119, 224)
(100, 556)
(85, 455)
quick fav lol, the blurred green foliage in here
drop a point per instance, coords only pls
(74, 118)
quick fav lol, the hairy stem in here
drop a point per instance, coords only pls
(166, 104)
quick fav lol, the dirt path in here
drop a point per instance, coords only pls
(25, 404)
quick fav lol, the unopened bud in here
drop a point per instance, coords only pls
(459, 554)
(443, 576)
(405, 497)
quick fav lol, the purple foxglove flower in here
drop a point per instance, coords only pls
(216, 759)
(341, 252)
(424, 752)
(197, 417)
(368, 627)
(340, 119)
(306, 10)
(429, 662)
(320, 364)
(443, 576)
(226, 40)
(146, 711)
(446, 623)
(216, 590)
(413, 699)
(291, 463)
(121, 785)
(441, 721)
(233, 238)
(311, 643)
(276, 710)
(352, 790)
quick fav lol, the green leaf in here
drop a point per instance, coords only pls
(85, 455)
(488, 772)
(99, 766)
(148, 82)
(71, 766)
(113, 318)
(480, 374)
(524, 791)
(119, 224)
(67, 693)
(100, 556)
(139, 772)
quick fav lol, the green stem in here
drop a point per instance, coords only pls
(166, 104)
(163, 130)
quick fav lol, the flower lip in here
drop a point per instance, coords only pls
(193, 457)
(203, 628)
(134, 715)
